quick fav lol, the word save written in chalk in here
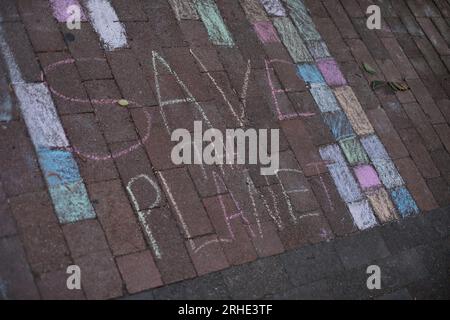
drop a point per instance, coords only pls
(234, 145)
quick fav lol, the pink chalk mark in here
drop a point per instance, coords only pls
(367, 177)
(60, 9)
(331, 72)
(266, 32)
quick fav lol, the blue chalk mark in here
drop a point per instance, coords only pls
(310, 73)
(59, 166)
(340, 126)
(66, 186)
(403, 201)
(324, 98)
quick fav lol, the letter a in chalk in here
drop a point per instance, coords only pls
(74, 19)
(374, 20)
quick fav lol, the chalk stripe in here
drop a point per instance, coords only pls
(331, 72)
(266, 32)
(59, 8)
(318, 49)
(310, 73)
(382, 205)
(106, 23)
(302, 20)
(339, 125)
(387, 171)
(324, 97)
(353, 109)
(362, 214)
(292, 40)
(254, 11)
(354, 151)
(342, 177)
(40, 115)
(214, 24)
(404, 201)
(367, 177)
(274, 8)
(6, 106)
(184, 9)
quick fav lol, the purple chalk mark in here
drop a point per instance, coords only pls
(60, 9)
(331, 72)
(367, 177)
(266, 32)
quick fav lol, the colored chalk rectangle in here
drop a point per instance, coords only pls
(254, 11)
(214, 24)
(387, 171)
(106, 23)
(324, 98)
(266, 32)
(353, 151)
(274, 8)
(40, 115)
(382, 205)
(61, 9)
(342, 177)
(58, 166)
(362, 214)
(367, 177)
(404, 202)
(331, 72)
(184, 9)
(302, 20)
(318, 49)
(354, 111)
(339, 125)
(310, 73)
(292, 40)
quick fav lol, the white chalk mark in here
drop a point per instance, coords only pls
(362, 214)
(245, 88)
(106, 23)
(143, 214)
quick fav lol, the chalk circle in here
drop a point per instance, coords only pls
(116, 102)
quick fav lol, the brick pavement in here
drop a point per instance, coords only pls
(365, 174)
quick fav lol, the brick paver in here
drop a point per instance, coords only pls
(351, 157)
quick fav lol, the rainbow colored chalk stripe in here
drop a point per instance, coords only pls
(365, 176)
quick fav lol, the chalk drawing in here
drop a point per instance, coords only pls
(254, 11)
(322, 183)
(343, 179)
(339, 125)
(367, 177)
(324, 97)
(318, 49)
(310, 73)
(331, 72)
(302, 20)
(362, 214)
(266, 32)
(59, 8)
(292, 40)
(353, 151)
(244, 90)
(386, 169)
(184, 9)
(143, 214)
(274, 8)
(382, 205)
(214, 24)
(403, 201)
(353, 109)
(106, 23)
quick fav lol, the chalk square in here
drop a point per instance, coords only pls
(367, 177)
(331, 72)
(404, 202)
(310, 73)
(354, 151)
(324, 98)
(318, 49)
(362, 214)
(339, 124)
(266, 32)
(59, 166)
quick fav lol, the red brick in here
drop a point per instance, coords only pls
(209, 58)
(139, 271)
(442, 161)
(431, 56)
(434, 36)
(443, 130)
(304, 149)
(267, 242)
(441, 190)
(399, 58)
(8, 11)
(426, 101)
(15, 274)
(232, 232)
(53, 286)
(8, 225)
(129, 10)
(84, 237)
(207, 255)
(416, 184)
(395, 112)
(116, 216)
(337, 13)
(100, 278)
(185, 203)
